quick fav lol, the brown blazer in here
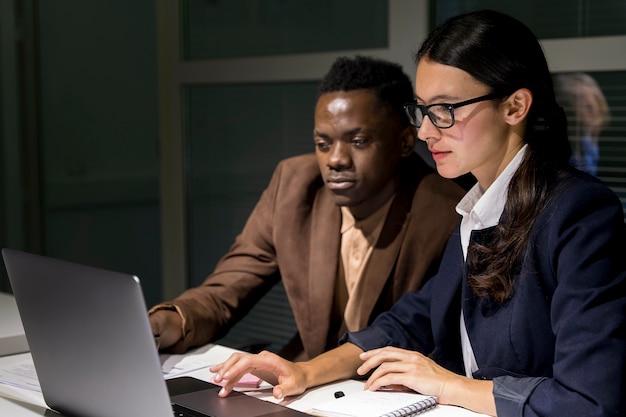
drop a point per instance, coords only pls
(293, 234)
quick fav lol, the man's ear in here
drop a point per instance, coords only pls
(409, 138)
(517, 106)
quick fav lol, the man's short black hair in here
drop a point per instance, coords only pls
(385, 79)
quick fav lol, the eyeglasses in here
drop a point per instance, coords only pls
(440, 114)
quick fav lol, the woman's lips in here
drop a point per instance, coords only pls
(438, 155)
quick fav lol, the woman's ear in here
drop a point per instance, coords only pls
(517, 106)
(409, 138)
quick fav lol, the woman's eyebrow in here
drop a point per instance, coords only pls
(440, 97)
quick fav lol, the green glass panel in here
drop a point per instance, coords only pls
(595, 106)
(243, 28)
(236, 134)
(549, 19)
(99, 139)
(612, 138)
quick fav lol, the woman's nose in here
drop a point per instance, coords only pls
(427, 130)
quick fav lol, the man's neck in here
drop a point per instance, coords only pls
(373, 204)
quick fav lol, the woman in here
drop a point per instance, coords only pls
(527, 314)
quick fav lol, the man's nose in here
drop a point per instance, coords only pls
(340, 156)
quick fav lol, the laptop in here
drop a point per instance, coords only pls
(93, 348)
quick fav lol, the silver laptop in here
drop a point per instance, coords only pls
(94, 352)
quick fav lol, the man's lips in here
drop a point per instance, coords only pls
(340, 182)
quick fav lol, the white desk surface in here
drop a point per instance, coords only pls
(12, 337)
(19, 402)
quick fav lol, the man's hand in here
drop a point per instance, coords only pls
(167, 328)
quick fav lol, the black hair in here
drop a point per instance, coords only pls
(502, 53)
(385, 79)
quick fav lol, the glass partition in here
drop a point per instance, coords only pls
(98, 156)
(235, 136)
(549, 19)
(595, 105)
(244, 28)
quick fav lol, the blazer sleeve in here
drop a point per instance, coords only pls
(405, 325)
(579, 243)
(241, 278)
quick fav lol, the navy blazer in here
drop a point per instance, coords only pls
(558, 344)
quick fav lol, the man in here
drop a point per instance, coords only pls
(347, 230)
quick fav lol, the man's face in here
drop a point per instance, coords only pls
(359, 144)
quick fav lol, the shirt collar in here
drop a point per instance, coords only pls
(486, 207)
(368, 224)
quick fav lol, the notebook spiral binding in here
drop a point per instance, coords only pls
(413, 409)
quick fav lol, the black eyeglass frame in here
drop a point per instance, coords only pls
(425, 110)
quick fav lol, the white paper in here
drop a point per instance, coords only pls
(176, 365)
(21, 375)
(371, 404)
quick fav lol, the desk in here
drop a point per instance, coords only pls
(12, 337)
(19, 402)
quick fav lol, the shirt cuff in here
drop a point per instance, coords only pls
(371, 337)
(512, 393)
(172, 307)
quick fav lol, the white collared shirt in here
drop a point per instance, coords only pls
(480, 210)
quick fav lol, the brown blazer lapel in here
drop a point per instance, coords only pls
(323, 263)
(383, 258)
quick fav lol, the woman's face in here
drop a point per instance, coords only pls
(480, 141)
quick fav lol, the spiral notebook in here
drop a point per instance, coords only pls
(376, 404)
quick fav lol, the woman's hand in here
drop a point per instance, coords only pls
(287, 377)
(410, 369)
(398, 367)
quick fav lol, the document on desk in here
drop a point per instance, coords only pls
(20, 375)
(23, 374)
(176, 365)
